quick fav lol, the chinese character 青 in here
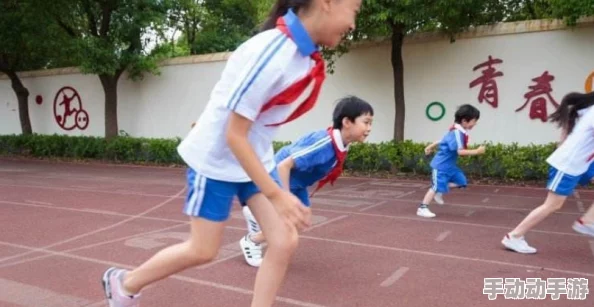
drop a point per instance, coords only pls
(488, 91)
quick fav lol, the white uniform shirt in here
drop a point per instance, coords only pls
(259, 69)
(573, 156)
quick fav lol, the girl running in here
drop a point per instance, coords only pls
(230, 147)
(569, 166)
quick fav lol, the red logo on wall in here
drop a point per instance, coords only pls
(68, 110)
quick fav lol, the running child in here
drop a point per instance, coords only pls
(445, 172)
(230, 148)
(316, 157)
(570, 165)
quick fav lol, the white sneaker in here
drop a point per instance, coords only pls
(517, 244)
(252, 224)
(583, 228)
(438, 198)
(425, 212)
(112, 286)
(252, 252)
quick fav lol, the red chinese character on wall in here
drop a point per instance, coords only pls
(538, 95)
(488, 92)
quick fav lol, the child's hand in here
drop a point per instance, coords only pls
(428, 150)
(291, 210)
(480, 150)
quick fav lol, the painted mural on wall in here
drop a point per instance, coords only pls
(538, 95)
(488, 91)
(68, 110)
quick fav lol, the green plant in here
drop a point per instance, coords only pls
(503, 162)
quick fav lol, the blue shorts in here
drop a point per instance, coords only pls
(299, 193)
(561, 183)
(587, 176)
(212, 199)
(440, 180)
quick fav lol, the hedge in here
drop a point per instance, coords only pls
(503, 162)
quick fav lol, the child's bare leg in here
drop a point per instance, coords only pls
(553, 203)
(588, 217)
(282, 241)
(200, 248)
(423, 209)
(429, 196)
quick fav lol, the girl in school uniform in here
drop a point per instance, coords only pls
(316, 157)
(230, 148)
(569, 166)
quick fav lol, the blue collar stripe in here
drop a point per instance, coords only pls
(300, 36)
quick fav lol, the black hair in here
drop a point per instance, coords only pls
(567, 113)
(466, 112)
(350, 107)
(280, 8)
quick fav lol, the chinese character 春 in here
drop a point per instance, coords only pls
(536, 288)
(556, 287)
(514, 288)
(488, 91)
(493, 287)
(577, 288)
(538, 105)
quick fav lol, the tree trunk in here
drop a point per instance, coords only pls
(398, 74)
(110, 88)
(23, 98)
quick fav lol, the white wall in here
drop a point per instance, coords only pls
(435, 70)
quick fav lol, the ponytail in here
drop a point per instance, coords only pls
(280, 8)
(567, 113)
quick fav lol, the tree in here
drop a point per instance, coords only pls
(225, 25)
(572, 10)
(527, 9)
(394, 19)
(110, 38)
(568, 10)
(27, 42)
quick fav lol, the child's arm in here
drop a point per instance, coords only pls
(472, 152)
(287, 204)
(284, 171)
(237, 138)
(430, 147)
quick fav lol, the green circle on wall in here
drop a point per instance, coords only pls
(440, 106)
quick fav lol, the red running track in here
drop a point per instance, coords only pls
(63, 224)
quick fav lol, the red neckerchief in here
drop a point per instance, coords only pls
(289, 95)
(337, 170)
(465, 140)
